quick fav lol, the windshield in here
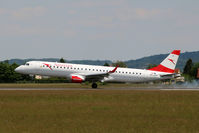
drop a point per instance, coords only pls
(27, 64)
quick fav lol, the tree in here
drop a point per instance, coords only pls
(6, 61)
(194, 70)
(188, 67)
(120, 64)
(8, 74)
(3, 69)
(62, 60)
(106, 64)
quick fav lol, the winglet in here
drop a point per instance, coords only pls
(113, 69)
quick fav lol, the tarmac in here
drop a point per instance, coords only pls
(134, 88)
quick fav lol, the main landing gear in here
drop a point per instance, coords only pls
(94, 85)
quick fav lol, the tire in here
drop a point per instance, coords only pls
(94, 85)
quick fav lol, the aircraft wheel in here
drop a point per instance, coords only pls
(94, 85)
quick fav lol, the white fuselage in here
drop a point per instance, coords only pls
(66, 70)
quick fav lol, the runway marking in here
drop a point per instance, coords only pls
(30, 89)
(183, 89)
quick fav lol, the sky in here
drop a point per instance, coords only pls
(97, 29)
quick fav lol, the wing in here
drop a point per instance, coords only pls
(94, 77)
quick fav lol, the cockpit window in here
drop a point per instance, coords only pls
(27, 64)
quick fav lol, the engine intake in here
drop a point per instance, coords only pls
(77, 79)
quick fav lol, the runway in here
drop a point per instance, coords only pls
(134, 88)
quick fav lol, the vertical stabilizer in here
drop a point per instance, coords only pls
(168, 65)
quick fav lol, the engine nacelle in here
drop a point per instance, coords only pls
(77, 79)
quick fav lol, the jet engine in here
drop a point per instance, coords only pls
(77, 78)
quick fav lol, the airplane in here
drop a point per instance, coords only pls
(78, 73)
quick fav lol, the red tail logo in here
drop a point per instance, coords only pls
(172, 61)
(48, 66)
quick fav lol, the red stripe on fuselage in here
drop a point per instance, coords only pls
(161, 68)
(48, 66)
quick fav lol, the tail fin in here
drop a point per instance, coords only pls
(168, 65)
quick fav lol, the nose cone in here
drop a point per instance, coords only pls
(19, 69)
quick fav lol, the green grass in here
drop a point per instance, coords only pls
(70, 85)
(43, 85)
(99, 111)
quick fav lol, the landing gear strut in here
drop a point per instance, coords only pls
(94, 85)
